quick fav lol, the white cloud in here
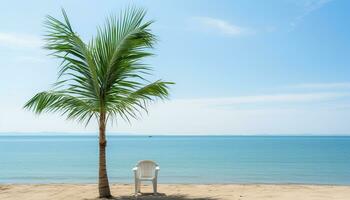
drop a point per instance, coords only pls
(206, 116)
(312, 5)
(19, 40)
(222, 26)
(341, 85)
(308, 7)
(275, 98)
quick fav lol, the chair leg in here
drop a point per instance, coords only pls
(136, 186)
(139, 187)
(154, 186)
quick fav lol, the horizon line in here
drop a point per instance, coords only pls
(45, 133)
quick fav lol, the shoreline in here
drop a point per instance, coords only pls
(178, 191)
(164, 183)
(53, 134)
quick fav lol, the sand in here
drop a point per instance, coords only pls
(177, 192)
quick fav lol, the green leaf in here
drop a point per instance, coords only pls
(105, 75)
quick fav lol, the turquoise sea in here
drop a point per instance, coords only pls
(182, 159)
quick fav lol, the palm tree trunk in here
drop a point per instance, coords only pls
(103, 185)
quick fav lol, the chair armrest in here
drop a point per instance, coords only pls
(156, 172)
(135, 172)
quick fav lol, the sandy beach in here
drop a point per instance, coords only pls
(177, 192)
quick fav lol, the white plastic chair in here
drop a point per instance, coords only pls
(146, 170)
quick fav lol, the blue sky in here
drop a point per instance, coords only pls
(240, 67)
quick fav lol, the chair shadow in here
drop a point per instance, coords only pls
(160, 196)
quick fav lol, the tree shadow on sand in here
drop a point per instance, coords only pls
(160, 196)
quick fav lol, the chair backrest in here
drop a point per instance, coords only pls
(146, 168)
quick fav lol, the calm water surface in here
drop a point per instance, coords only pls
(204, 159)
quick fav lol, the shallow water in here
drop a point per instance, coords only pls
(201, 159)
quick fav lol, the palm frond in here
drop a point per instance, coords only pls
(76, 56)
(121, 44)
(127, 103)
(54, 101)
(105, 75)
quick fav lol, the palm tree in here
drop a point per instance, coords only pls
(103, 79)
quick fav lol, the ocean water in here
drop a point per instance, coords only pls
(204, 159)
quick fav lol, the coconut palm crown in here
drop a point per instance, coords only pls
(103, 79)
